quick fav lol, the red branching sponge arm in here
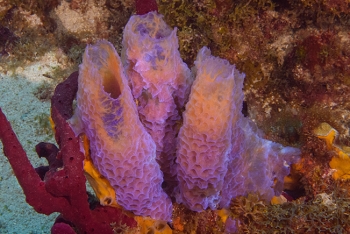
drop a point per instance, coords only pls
(33, 186)
(145, 6)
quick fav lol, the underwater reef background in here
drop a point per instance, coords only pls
(296, 57)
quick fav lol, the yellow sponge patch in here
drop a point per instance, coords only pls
(224, 214)
(52, 123)
(148, 225)
(101, 186)
(340, 162)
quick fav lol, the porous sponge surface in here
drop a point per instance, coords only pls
(256, 165)
(220, 152)
(160, 83)
(121, 148)
(205, 137)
